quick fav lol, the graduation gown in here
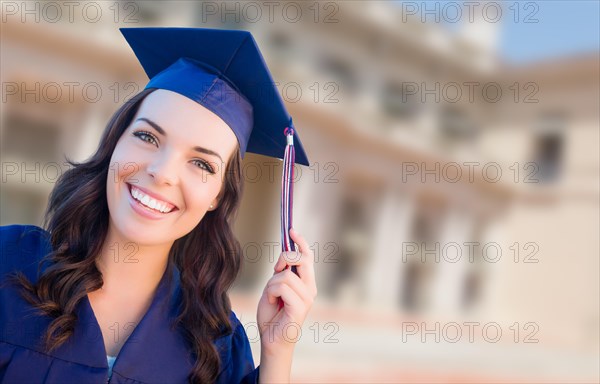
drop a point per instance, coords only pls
(153, 353)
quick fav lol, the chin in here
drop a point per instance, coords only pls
(130, 229)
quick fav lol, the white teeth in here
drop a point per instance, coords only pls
(149, 202)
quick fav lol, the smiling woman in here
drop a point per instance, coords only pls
(128, 279)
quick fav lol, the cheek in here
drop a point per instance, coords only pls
(199, 195)
(122, 169)
(124, 164)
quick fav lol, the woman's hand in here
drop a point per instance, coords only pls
(280, 329)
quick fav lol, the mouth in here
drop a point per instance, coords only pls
(143, 200)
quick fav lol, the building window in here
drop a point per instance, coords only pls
(340, 72)
(548, 148)
(279, 41)
(412, 286)
(421, 265)
(346, 279)
(456, 127)
(396, 102)
(31, 140)
(472, 289)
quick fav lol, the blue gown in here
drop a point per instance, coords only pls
(153, 353)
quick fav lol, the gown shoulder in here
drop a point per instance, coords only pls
(21, 249)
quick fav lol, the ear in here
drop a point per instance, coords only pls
(215, 201)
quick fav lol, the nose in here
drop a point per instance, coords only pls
(163, 170)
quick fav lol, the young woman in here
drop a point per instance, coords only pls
(128, 280)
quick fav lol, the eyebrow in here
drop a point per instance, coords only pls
(162, 132)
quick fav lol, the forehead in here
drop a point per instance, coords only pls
(187, 122)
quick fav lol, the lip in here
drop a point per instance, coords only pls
(145, 211)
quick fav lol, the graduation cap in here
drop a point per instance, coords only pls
(224, 71)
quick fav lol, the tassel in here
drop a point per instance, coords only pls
(287, 191)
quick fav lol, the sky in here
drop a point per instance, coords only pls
(531, 30)
(564, 28)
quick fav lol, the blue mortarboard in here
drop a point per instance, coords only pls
(224, 71)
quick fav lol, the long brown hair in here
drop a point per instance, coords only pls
(77, 218)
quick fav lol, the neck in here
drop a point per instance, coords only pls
(129, 269)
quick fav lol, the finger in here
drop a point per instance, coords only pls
(288, 258)
(290, 299)
(299, 240)
(303, 259)
(281, 262)
(301, 245)
(290, 278)
(305, 268)
(306, 265)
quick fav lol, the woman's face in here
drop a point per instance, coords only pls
(174, 151)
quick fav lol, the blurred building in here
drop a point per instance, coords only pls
(424, 208)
